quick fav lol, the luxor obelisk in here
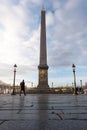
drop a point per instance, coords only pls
(43, 67)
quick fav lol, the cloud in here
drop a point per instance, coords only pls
(49, 19)
(20, 34)
(19, 44)
(66, 34)
(14, 22)
(72, 4)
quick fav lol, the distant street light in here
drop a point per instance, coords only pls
(14, 93)
(52, 84)
(72, 84)
(81, 84)
(31, 84)
(75, 91)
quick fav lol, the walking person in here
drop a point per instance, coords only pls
(22, 85)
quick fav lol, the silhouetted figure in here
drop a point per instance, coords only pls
(22, 85)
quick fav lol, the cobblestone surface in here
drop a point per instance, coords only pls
(43, 112)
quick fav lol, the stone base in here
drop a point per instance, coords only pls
(40, 90)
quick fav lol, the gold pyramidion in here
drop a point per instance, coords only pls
(43, 8)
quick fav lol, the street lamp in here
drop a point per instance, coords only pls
(52, 84)
(72, 84)
(73, 67)
(31, 84)
(81, 84)
(13, 93)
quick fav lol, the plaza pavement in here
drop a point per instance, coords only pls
(43, 112)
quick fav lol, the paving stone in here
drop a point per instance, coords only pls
(43, 112)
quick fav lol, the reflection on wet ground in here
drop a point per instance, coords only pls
(43, 111)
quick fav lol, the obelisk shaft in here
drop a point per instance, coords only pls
(43, 67)
(43, 53)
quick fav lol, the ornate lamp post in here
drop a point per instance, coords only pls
(13, 93)
(73, 67)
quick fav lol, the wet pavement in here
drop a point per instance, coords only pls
(43, 112)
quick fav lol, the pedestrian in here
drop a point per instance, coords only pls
(22, 85)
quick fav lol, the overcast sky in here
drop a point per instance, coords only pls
(66, 31)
